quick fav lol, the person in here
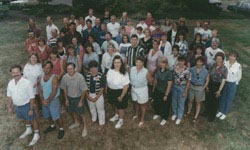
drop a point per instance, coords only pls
(172, 59)
(130, 29)
(149, 19)
(52, 41)
(88, 31)
(91, 17)
(163, 80)
(214, 35)
(31, 42)
(172, 33)
(102, 33)
(49, 93)
(97, 48)
(72, 32)
(146, 42)
(182, 26)
(139, 32)
(124, 19)
(197, 41)
(118, 83)
(72, 18)
(157, 33)
(57, 63)
(199, 82)
(139, 77)
(218, 75)
(65, 27)
(32, 26)
(73, 57)
(96, 84)
(50, 26)
(97, 26)
(121, 33)
(180, 88)
(166, 27)
(165, 46)
(234, 76)
(108, 41)
(61, 49)
(20, 92)
(89, 56)
(42, 50)
(82, 26)
(107, 58)
(79, 50)
(33, 72)
(206, 33)
(198, 52)
(198, 28)
(134, 51)
(106, 18)
(182, 43)
(113, 27)
(142, 24)
(123, 47)
(152, 26)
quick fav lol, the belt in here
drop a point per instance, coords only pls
(196, 84)
(137, 87)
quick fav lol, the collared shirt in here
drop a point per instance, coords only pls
(210, 54)
(107, 60)
(87, 58)
(162, 78)
(183, 47)
(144, 26)
(106, 43)
(49, 28)
(80, 28)
(92, 18)
(74, 85)
(234, 72)
(134, 52)
(218, 74)
(153, 60)
(172, 61)
(116, 80)
(20, 92)
(183, 77)
(113, 28)
(198, 78)
(95, 82)
(138, 79)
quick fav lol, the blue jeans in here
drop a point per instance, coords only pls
(227, 97)
(178, 101)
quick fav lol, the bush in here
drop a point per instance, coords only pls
(4, 10)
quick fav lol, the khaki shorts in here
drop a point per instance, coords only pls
(197, 93)
(140, 95)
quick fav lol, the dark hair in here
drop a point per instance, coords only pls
(140, 58)
(70, 46)
(93, 64)
(59, 40)
(30, 30)
(37, 57)
(177, 47)
(219, 54)
(179, 34)
(233, 52)
(134, 36)
(92, 36)
(181, 58)
(71, 64)
(199, 59)
(139, 28)
(42, 39)
(72, 23)
(165, 22)
(108, 33)
(89, 45)
(126, 35)
(142, 19)
(122, 68)
(54, 51)
(199, 46)
(198, 34)
(46, 63)
(155, 41)
(16, 66)
(89, 20)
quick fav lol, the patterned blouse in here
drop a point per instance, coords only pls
(218, 74)
(181, 78)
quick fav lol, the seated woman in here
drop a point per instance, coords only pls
(42, 50)
(89, 56)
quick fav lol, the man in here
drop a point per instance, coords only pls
(157, 33)
(20, 93)
(49, 95)
(52, 41)
(91, 17)
(89, 31)
(113, 27)
(75, 87)
(106, 18)
(134, 51)
(142, 24)
(50, 26)
(214, 35)
(31, 42)
(206, 33)
(65, 28)
(97, 26)
(102, 33)
(105, 44)
(72, 33)
(32, 26)
(81, 27)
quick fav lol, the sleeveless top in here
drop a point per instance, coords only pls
(57, 68)
(47, 88)
(138, 79)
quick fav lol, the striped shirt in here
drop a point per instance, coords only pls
(134, 52)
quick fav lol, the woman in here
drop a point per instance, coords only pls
(96, 46)
(197, 41)
(78, 47)
(162, 91)
(198, 28)
(180, 88)
(233, 78)
(89, 56)
(182, 43)
(31, 42)
(199, 82)
(61, 49)
(139, 77)
(166, 26)
(172, 59)
(118, 83)
(42, 50)
(198, 52)
(33, 72)
(146, 42)
(218, 75)
(172, 33)
(124, 19)
(57, 63)
(165, 46)
(73, 58)
(107, 58)
(123, 47)
(130, 29)
(182, 26)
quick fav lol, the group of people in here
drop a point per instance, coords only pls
(92, 59)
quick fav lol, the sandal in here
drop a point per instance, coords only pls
(140, 124)
(195, 120)
(135, 117)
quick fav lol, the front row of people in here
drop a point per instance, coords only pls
(170, 89)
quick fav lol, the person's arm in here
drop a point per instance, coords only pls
(218, 93)
(239, 75)
(10, 108)
(170, 83)
(206, 84)
(149, 77)
(124, 91)
(54, 89)
(186, 89)
(79, 61)
(61, 68)
(44, 102)
(32, 105)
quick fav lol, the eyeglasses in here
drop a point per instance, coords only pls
(197, 76)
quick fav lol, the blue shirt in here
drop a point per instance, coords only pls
(47, 88)
(87, 58)
(138, 79)
(198, 78)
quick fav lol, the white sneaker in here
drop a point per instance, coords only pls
(178, 121)
(26, 133)
(173, 118)
(222, 117)
(34, 140)
(163, 122)
(75, 125)
(114, 118)
(218, 114)
(155, 117)
(84, 132)
(119, 124)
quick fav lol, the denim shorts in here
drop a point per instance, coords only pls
(73, 105)
(22, 112)
(53, 110)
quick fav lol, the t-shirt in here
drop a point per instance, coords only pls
(210, 54)
(113, 28)
(116, 80)
(162, 78)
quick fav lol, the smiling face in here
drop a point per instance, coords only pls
(219, 60)
(117, 64)
(74, 41)
(47, 69)
(33, 59)
(139, 64)
(16, 73)
(134, 42)
(93, 70)
(71, 70)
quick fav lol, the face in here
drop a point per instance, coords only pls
(205, 25)
(139, 64)
(89, 49)
(33, 59)
(91, 40)
(31, 35)
(47, 69)
(198, 37)
(117, 63)
(93, 70)
(155, 45)
(65, 21)
(214, 33)
(49, 20)
(147, 32)
(214, 45)
(89, 24)
(181, 37)
(107, 37)
(219, 60)
(199, 63)
(106, 13)
(54, 33)
(181, 62)
(163, 65)
(74, 41)
(70, 70)
(16, 73)
(175, 52)
(149, 15)
(53, 56)
(164, 38)
(198, 51)
(71, 51)
(139, 31)
(110, 49)
(82, 21)
(103, 27)
(32, 22)
(134, 41)
(125, 39)
(232, 58)
(41, 42)
(91, 11)
(72, 27)
(167, 22)
(198, 24)
(112, 19)
(97, 21)
(60, 44)
(175, 26)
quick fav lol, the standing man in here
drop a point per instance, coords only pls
(49, 95)
(91, 17)
(89, 31)
(20, 93)
(75, 88)
(50, 26)
(113, 27)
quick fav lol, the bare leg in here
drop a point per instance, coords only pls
(60, 122)
(143, 111)
(75, 117)
(121, 113)
(84, 125)
(136, 108)
(35, 124)
(190, 105)
(198, 108)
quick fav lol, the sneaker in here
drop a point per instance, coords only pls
(222, 117)
(155, 117)
(178, 121)
(26, 133)
(49, 129)
(84, 132)
(114, 118)
(163, 122)
(34, 140)
(173, 117)
(218, 114)
(75, 125)
(119, 124)
(60, 134)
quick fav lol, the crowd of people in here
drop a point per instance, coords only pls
(90, 60)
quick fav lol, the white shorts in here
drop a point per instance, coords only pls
(140, 95)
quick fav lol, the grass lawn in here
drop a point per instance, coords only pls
(233, 133)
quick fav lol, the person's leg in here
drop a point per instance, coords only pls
(121, 113)
(157, 102)
(174, 100)
(100, 110)
(92, 108)
(60, 122)
(231, 95)
(224, 97)
(190, 105)
(143, 111)
(181, 102)
(166, 105)
(198, 108)
(136, 109)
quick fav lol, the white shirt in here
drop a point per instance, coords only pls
(92, 19)
(206, 33)
(144, 26)
(80, 28)
(107, 60)
(152, 28)
(20, 93)
(140, 36)
(172, 61)
(198, 30)
(234, 73)
(116, 80)
(173, 37)
(210, 53)
(113, 28)
(48, 30)
(167, 49)
(32, 73)
(106, 43)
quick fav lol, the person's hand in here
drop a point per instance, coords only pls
(34, 85)
(30, 112)
(184, 94)
(45, 102)
(10, 110)
(67, 102)
(217, 94)
(95, 99)
(207, 89)
(90, 99)
(119, 99)
(165, 98)
(80, 104)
